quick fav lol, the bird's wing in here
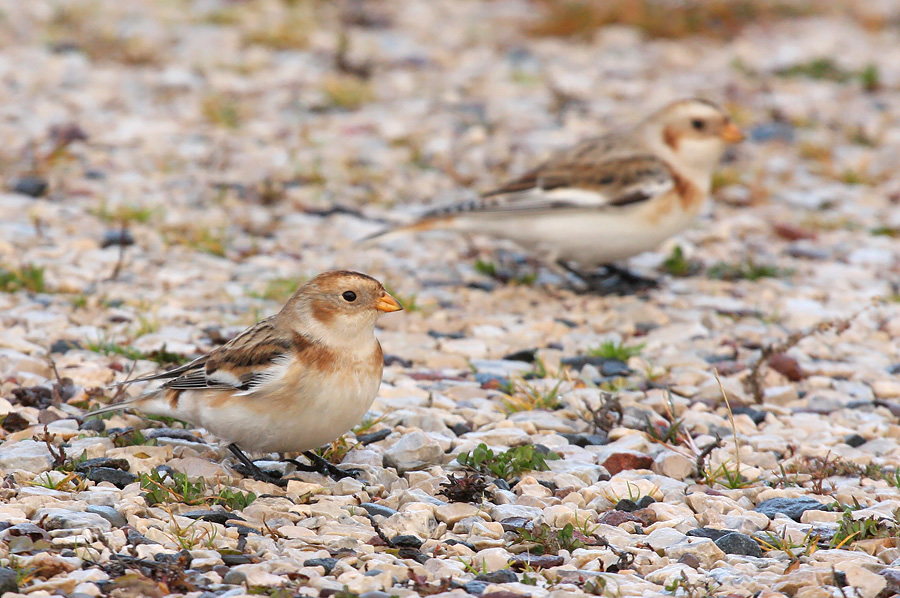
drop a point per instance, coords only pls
(595, 174)
(243, 363)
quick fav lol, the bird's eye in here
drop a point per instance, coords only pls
(698, 124)
(349, 296)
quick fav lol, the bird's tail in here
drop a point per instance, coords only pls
(144, 401)
(415, 227)
(121, 406)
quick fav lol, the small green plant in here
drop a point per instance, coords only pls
(524, 396)
(124, 214)
(347, 91)
(819, 68)
(192, 535)
(486, 268)
(728, 476)
(221, 110)
(180, 488)
(770, 541)
(870, 78)
(507, 465)
(678, 265)
(854, 530)
(616, 350)
(544, 539)
(28, 278)
(746, 270)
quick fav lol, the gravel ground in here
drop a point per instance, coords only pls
(172, 171)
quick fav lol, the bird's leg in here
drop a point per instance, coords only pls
(630, 277)
(614, 280)
(255, 472)
(326, 468)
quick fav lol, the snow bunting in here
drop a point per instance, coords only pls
(292, 382)
(607, 198)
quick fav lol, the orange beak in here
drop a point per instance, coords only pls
(387, 304)
(732, 134)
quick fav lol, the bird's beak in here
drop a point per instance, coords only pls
(387, 304)
(732, 134)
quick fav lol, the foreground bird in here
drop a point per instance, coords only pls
(607, 198)
(289, 383)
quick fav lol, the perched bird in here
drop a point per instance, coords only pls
(607, 198)
(289, 383)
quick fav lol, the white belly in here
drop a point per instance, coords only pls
(590, 238)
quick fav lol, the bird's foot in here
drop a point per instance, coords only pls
(614, 280)
(320, 465)
(249, 468)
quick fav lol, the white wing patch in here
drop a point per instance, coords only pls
(274, 372)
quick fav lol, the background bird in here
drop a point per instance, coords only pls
(291, 382)
(607, 198)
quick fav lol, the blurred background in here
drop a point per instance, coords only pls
(248, 143)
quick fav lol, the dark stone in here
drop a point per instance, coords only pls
(135, 537)
(374, 509)
(8, 580)
(374, 594)
(511, 524)
(616, 518)
(535, 561)
(621, 461)
(690, 560)
(396, 360)
(551, 486)
(893, 581)
(93, 424)
(33, 186)
(108, 513)
(450, 335)
(526, 355)
(116, 477)
(15, 422)
(406, 541)
(566, 322)
(176, 433)
(219, 517)
(607, 367)
(236, 559)
(708, 532)
(772, 131)
(411, 553)
(367, 439)
(502, 484)
(117, 236)
(64, 346)
(28, 529)
(106, 462)
(454, 542)
(328, 564)
(792, 507)
(738, 543)
(499, 576)
(755, 415)
(645, 501)
(584, 440)
(94, 175)
(475, 587)
(854, 440)
(627, 505)
(491, 380)
(460, 428)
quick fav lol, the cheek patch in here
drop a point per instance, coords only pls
(670, 138)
